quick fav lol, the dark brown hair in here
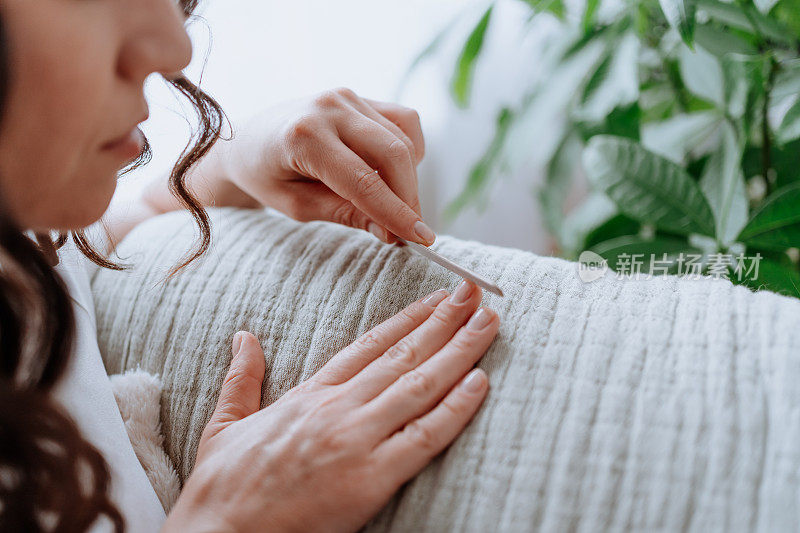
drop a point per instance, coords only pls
(51, 478)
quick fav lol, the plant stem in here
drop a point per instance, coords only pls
(676, 84)
(766, 141)
(762, 42)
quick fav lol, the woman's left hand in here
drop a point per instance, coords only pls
(334, 157)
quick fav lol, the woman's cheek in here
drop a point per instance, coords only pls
(66, 188)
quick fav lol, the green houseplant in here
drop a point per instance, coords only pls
(684, 117)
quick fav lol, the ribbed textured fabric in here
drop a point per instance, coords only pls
(625, 405)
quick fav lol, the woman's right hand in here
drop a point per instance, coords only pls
(332, 451)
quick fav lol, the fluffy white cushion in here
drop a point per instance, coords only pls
(138, 396)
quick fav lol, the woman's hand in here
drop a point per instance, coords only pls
(330, 453)
(335, 157)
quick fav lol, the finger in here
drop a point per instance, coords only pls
(408, 451)
(417, 391)
(416, 347)
(240, 395)
(372, 344)
(354, 180)
(385, 152)
(310, 199)
(406, 119)
(307, 200)
(393, 128)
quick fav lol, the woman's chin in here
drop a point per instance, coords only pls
(92, 211)
(79, 209)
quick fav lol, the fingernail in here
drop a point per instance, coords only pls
(462, 293)
(377, 231)
(435, 298)
(424, 232)
(473, 382)
(479, 320)
(237, 342)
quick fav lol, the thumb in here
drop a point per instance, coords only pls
(240, 395)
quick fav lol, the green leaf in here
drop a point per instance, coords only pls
(621, 122)
(657, 101)
(465, 68)
(647, 187)
(549, 103)
(723, 185)
(681, 15)
(646, 252)
(555, 7)
(482, 171)
(743, 82)
(784, 158)
(775, 277)
(558, 180)
(615, 82)
(743, 17)
(677, 137)
(702, 75)
(787, 80)
(589, 14)
(787, 12)
(765, 5)
(625, 122)
(789, 129)
(617, 226)
(721, 42)
(776, 226)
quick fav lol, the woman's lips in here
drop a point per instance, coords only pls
(126, 147)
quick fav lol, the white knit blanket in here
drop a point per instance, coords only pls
(665, 404)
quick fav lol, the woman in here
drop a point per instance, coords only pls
(332, 451)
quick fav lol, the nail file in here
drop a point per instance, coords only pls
(452, 267)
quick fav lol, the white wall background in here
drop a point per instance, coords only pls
(262, 52)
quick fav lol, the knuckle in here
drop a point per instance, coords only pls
(411, 115)
(328, 99)
(346, 92)
(301, 131)
(412, 312)
(419, 384)
(412, 150)
(369, 341)
(464, 341)
(398, 151)
(326, 405)
(422, 436)
(403, 354)
(444, 316)
(419, 151)
(333, 441)
(345, 214)
(236, 381)
(455, 409)
(415, 204)
(367, 184)
(308, 386)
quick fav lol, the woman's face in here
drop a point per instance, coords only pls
(77, 70)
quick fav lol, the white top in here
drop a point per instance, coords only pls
(85, 392)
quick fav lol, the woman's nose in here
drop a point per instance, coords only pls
(156, 39)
